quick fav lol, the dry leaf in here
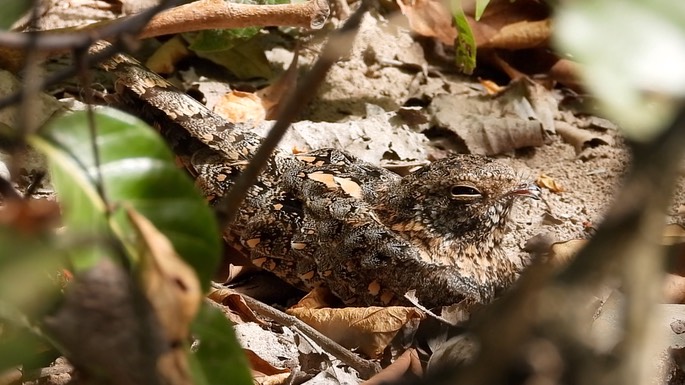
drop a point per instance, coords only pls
(272, 95)
(164, 59)
(274, 379)
(239, 106)
(234, 303)
(580, 139)
(501, 13)
(261, 366)
(319, 297)
(429, 18)
(408, 362)
(392, 137)
(369, 330)
(169, 283)
(491, 88)
(521, 35)
(673, 234)
(549, 183)
(173, 291)
(30, 216)
(561, 253)
(487, 126)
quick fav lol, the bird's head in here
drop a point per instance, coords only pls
(464, 197)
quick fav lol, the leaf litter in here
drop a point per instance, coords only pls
(522, 122)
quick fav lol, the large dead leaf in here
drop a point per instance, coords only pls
(429, 18)
(173, 291)
(369, 330)
(169, 283)
(373, 139)
(514, 118)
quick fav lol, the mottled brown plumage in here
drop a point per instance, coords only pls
(328, 218)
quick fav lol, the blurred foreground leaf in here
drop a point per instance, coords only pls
(633, 53)
(136, 168)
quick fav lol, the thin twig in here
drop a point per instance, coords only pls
(365, 368)
(338, 45)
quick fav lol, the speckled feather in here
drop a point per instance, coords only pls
(328, 218)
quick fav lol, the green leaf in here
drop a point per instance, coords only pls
(216, 40)
(219, 356)
(12, 10)
(465, 43)
(27, 293)
(135, 168)
(480, 8)
(246, 60)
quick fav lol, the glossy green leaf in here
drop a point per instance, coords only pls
(219, 358)
(134, 168)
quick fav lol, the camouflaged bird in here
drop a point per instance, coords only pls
(328, 218)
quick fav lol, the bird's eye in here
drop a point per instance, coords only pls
(465, 192)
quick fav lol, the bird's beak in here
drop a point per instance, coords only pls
(530, 190)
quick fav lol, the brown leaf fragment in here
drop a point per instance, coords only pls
(319, 297)
(408, 362)
(491, 88)
(488, 125)
(673, 234)
(165, 58)
(521, 35)
(239, 106)
(30, 216)
(529, 100)
(173, 291)
(369, 330)
(561, 253)
(549, 183)
(274, 379)
(580, 139)
(235, 304)
(261, 366)
(429, 18)
(169, 283)
(272, 95)
(483, 126)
